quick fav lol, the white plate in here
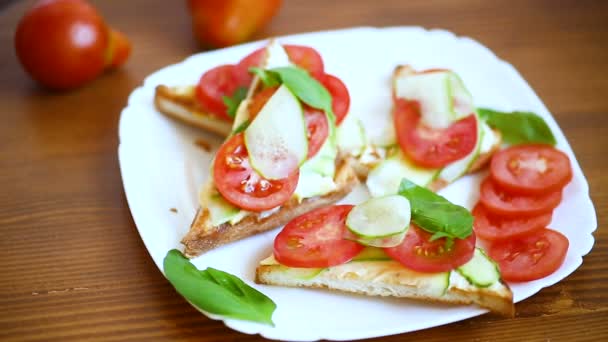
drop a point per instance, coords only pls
(162, 169)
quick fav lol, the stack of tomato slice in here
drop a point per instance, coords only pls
(515, 207)
(225, 80)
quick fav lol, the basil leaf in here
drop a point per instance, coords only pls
(269, 79)
(232, 103)
(518, 127)
(435, 214)
(301, 84)
(217, 292)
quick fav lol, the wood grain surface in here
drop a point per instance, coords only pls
(72, 265)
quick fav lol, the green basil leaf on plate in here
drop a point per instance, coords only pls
(518, 127)
(217, 292)
(435, 214)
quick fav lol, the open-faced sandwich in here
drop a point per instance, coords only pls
(439, 135)
(211, 104)
(414, 244)
(279, 161)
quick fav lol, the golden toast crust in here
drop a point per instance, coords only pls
(203, 236)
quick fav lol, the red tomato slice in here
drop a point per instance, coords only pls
(531, 257)
(494, 228)
(340, 99)
(318, 129)
(242, 186)
(315, 239)
(531, 169)
(501, 203)
(428, 147)
(213, 86)
(241, 70)
(316, 120)
(306, 58)
(416, 252)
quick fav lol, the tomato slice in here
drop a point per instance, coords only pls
(213, 86)
(306, 58)
(318, 129)
(315, 239)
(499, 202)
(418, 253)
(531, 169)
(316, 120)
(242, 186)
(241, 70)
(428, 147)
(531, 257)
(493, 228)
(339, 96)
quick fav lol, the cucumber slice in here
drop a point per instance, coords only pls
(442, 96)
(220, 211)
(385, 178)
(458, 168)
(371, 254)
(480, 271)
(381, 221)
(324, 162)
(488, 139)
(432, 91)
(276, 138)
(461, 100)
(351, 136)
(301, 273)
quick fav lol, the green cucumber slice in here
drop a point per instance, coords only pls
(380, 221)
(221, 211)
(384, 179)
(442, 96)
(432, 91)
(351, 136)
(438, 283)
(371, 254)
(324, 162)
(458, 168)
(276, 139)
(480, 271)
(488, 139)
(301, 273)
(461, 103)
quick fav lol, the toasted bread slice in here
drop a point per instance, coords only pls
(389, 278)
(203, 236)
(180, 103)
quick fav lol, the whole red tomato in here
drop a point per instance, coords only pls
(219, 23)
(65, 43)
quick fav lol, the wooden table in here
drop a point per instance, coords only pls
(72, 264)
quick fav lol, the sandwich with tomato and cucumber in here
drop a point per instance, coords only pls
(412, 244)
(438, 133)
(279, 161)
(211, 104)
